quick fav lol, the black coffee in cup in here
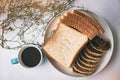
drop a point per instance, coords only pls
(31, 56)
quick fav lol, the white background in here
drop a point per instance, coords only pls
(110, 10)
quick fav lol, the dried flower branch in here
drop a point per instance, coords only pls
(22, 21)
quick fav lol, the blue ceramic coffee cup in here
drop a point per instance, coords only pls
(29, 56)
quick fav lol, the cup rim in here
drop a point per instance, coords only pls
(23, 48)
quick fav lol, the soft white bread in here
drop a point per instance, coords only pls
(64, 45)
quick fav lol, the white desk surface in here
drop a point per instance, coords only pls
(110, 10)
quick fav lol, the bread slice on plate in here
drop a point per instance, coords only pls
(79, 74)
(93, 52)
(100, 44)
(64, 45)
(82, 22)
(86, 64)
(92, 57)
(92, 61)
(89, 19)
(74, 21)
(78, 64)
(82, 71)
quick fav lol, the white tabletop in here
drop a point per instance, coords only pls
(110, 10)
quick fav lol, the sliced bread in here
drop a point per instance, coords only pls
(93, 57)
(91, 51)
(89, 19)
(74, 21)
(100, 44)
(82, 71)
(86, 64)
(64, 45)
(86, 20)
(92, 61)
(79, 74)
(83, 67)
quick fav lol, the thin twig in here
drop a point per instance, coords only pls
(32, 18)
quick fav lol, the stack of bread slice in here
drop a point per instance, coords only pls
(83, 23)
(64, 45)
(67, 46)
(89, 58)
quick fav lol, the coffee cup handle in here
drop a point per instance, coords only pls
(14, 61)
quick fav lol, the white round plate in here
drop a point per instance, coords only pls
(108, 34)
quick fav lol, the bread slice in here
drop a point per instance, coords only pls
(83, 67)
(81, 71)
(64, 45)
(86, 64)
(100, 44)
(79, 74)
(86, 20)
(89, 19)
(86, 59)
(74, 21)
(91, 51)
(89, 56)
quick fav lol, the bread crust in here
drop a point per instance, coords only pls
(81, 73)
(87, 20)
(100, 44)
(74, 21)
(90, 19)
(93, 53)
(91, 56)
(83, 67)
(92, 61)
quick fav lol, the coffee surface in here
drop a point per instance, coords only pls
(31, 57)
